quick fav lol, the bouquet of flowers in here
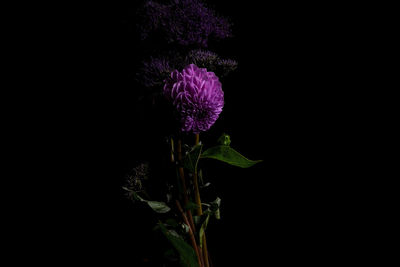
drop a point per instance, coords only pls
(186, 76)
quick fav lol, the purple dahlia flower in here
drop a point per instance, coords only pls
(197, 96)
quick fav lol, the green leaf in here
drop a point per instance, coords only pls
(170, 255)
(192, 158)
(203, 230)
(185, 227)
(196, 220)
(126, 188)
(159, 207)
(200, 175)
(228, 155)
(224, 140)
(215, 208)
(187, 254)
(172, 222)
(191, 206)
(137, 197)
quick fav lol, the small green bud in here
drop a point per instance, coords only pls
(224, 140)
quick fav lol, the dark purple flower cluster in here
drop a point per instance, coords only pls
(186, 22)
(202, 58)
(197, 96)
(211, 61)
(226, 66)
(154, 71)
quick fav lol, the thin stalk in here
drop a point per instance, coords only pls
(199, 208)
(172, 151)
(197, 194)
(182, 175)
(196, 184)
(191, 234)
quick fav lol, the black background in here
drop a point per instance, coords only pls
(281, 106)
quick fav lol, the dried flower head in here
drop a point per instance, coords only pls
(197, 96)
(211, 61)
(154, 71)
(185, 22)
(202, 58)
(226, 66)
(134, 180)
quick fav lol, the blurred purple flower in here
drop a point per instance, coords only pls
(211, 61)
(227, 65)
(154, 71)
(197, 96)
(202, 58)
(185, 22)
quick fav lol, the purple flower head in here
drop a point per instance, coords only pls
(197, 96)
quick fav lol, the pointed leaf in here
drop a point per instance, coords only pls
(172, 222)
(186, 252)
(171, 255)
(203, 230)
(228, 155)
(192, 158)
(196, 220)
(191, 206)
(215, 208)
(159, 207)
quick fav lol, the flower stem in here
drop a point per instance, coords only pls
(191, 234)
(182, 175)
(172, 150)
(197, 194)
(199, 208)
(196, 184)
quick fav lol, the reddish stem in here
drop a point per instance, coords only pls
(192, 238)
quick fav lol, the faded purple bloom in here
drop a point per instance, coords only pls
(153, 14)
(227, 65)
(154, 71)
(197, 96)
(202, 58)
(211, 61)
(185, 22)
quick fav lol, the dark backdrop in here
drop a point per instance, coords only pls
(280, 107)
